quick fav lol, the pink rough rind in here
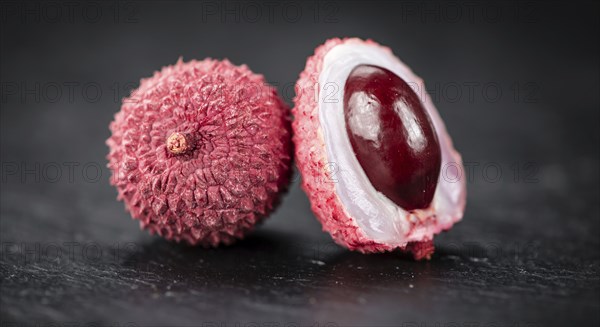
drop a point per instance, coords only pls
(311, 160)
(232, 176)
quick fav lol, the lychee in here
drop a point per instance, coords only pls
(376, 160)
(201, 151)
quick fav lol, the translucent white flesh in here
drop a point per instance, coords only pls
(379, 218)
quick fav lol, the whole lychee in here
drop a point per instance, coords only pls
(201, 151)
(376, 161)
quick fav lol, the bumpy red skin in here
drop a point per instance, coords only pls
(237, 167)
(311, 159)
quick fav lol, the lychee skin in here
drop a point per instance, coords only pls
(312, 163)
(201, 152)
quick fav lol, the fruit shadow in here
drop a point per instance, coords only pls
(267, 261)
(263, 256)
(350, 284)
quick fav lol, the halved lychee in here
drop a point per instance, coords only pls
(370, 146)
(201, 151)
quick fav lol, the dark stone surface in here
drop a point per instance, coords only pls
(527, 252)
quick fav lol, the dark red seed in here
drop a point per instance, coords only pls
(392, 136)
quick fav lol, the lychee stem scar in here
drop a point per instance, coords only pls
(178, 143)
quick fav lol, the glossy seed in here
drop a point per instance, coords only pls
(392, 136)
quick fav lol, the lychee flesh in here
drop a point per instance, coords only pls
(201, 152)
(342, 197)
(392, 136)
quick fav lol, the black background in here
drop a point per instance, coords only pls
(516, 83)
